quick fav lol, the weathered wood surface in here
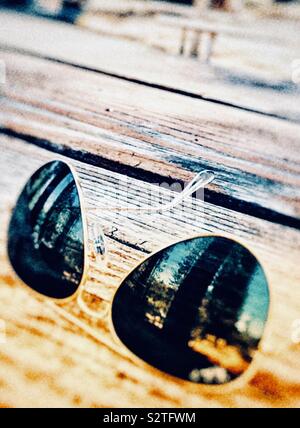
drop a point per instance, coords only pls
(128, 127)
(48, 361)
(109, 127)
(139, 62)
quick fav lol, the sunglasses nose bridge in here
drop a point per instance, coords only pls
(97, 252)
(101, 313)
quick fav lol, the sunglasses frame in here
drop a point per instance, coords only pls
(191, 386)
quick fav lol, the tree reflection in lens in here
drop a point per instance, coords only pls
(196, 309)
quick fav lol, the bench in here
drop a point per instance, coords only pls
(202, 31)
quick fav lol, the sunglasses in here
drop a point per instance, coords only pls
(196, 309)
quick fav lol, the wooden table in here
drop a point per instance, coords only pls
(121, 129)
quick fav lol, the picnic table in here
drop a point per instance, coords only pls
(120, 126)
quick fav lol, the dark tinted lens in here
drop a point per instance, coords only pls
(45, 238)
(195, 310)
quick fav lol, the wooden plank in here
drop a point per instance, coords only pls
(135, 61)
(143, 132)
(50, 361)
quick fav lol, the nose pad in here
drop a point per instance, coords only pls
(97, 241)
(98, 253)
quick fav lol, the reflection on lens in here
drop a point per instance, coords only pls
(196, 310)
(45, 238)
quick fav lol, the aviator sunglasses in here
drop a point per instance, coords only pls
(196, 309)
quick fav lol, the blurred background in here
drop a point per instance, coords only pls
(240, 42)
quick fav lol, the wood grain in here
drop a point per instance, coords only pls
(48, 361)
(140, 131)
(132, 60)
(128, 118)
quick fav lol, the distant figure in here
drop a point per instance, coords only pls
(71, 9)
(228, 5)
(15, 3)
(68, 11)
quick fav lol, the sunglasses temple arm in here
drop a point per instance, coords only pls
(199, 181)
